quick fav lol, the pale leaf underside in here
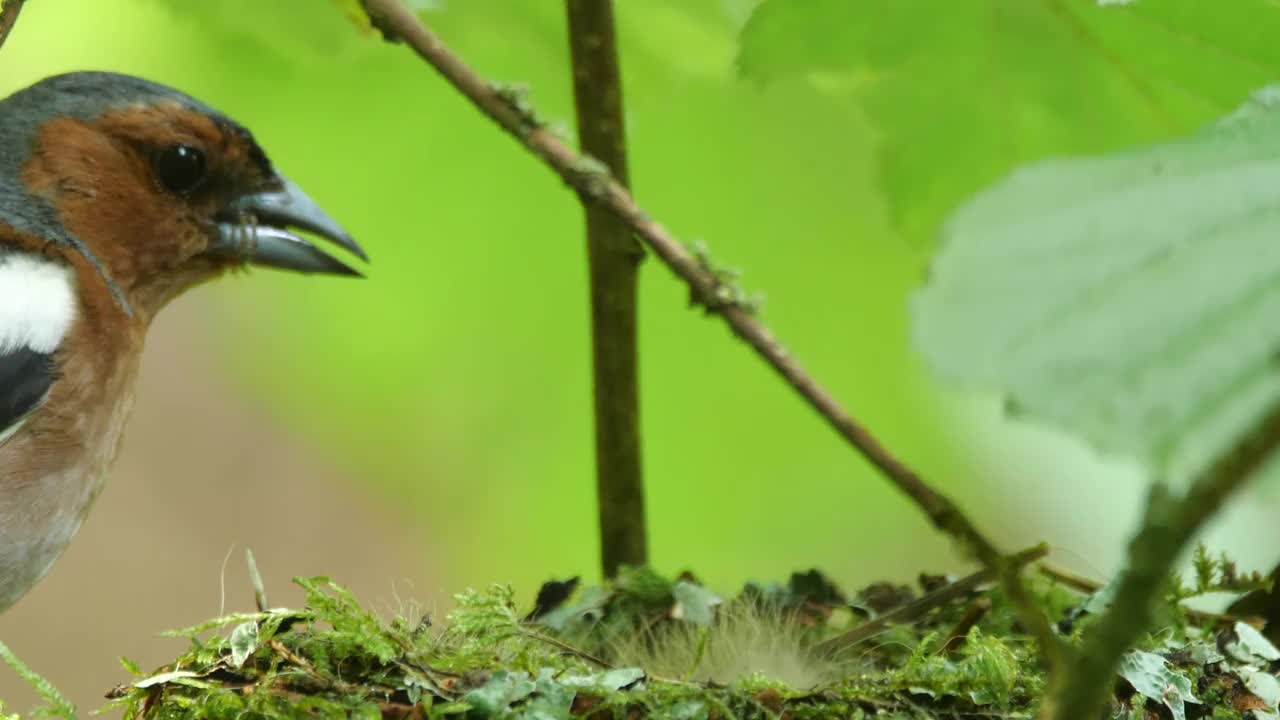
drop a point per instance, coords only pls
(1133, 299)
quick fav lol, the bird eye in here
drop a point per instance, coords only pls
(180, 168)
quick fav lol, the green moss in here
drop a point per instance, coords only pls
(56, 705)
(644, 646)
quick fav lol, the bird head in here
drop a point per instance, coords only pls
(154, 190)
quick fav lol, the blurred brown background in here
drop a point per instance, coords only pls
(202, 477)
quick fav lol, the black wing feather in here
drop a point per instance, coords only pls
(25, 378)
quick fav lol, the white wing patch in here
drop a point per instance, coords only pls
(37, 303)
(6, 433)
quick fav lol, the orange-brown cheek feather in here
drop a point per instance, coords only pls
(105, 195)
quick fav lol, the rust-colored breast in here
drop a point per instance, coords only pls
(54, 465)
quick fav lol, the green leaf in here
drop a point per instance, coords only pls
(244, 640)
(588, 609)
(1251, 646)
(690, 710)
(1131, 298)
(1100, 601)
(1262, 684)
(274, 616)
(611, 680)
(694, 603)
(551, 701)
(964, 91)
(1204, 653)
(495, 696)
(455, 708)
(1152, 677)
(165, 677)
(983, 696)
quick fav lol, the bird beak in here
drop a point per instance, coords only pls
(256, 229)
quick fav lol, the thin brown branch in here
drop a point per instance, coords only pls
(1088, 586)
(959, 634)
(9, 10)
(1075, 581)
(919, 607)
(318, 678)
(1168, 525)
(614, 264)
(566, 647)
(593, 183)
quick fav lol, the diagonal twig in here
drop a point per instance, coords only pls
(1168, 525)
(566, 647)
(959, 633)
(915, 609)
(595, 185)
(9, 10)
(1075, 581)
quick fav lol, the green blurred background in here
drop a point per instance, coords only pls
(429, 428)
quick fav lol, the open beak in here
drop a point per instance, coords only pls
(256, 229)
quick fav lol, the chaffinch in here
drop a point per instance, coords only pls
(116, 195)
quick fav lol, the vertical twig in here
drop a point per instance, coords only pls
(615, 261)
(1167, 526)
(397, 23)
(9, 10)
